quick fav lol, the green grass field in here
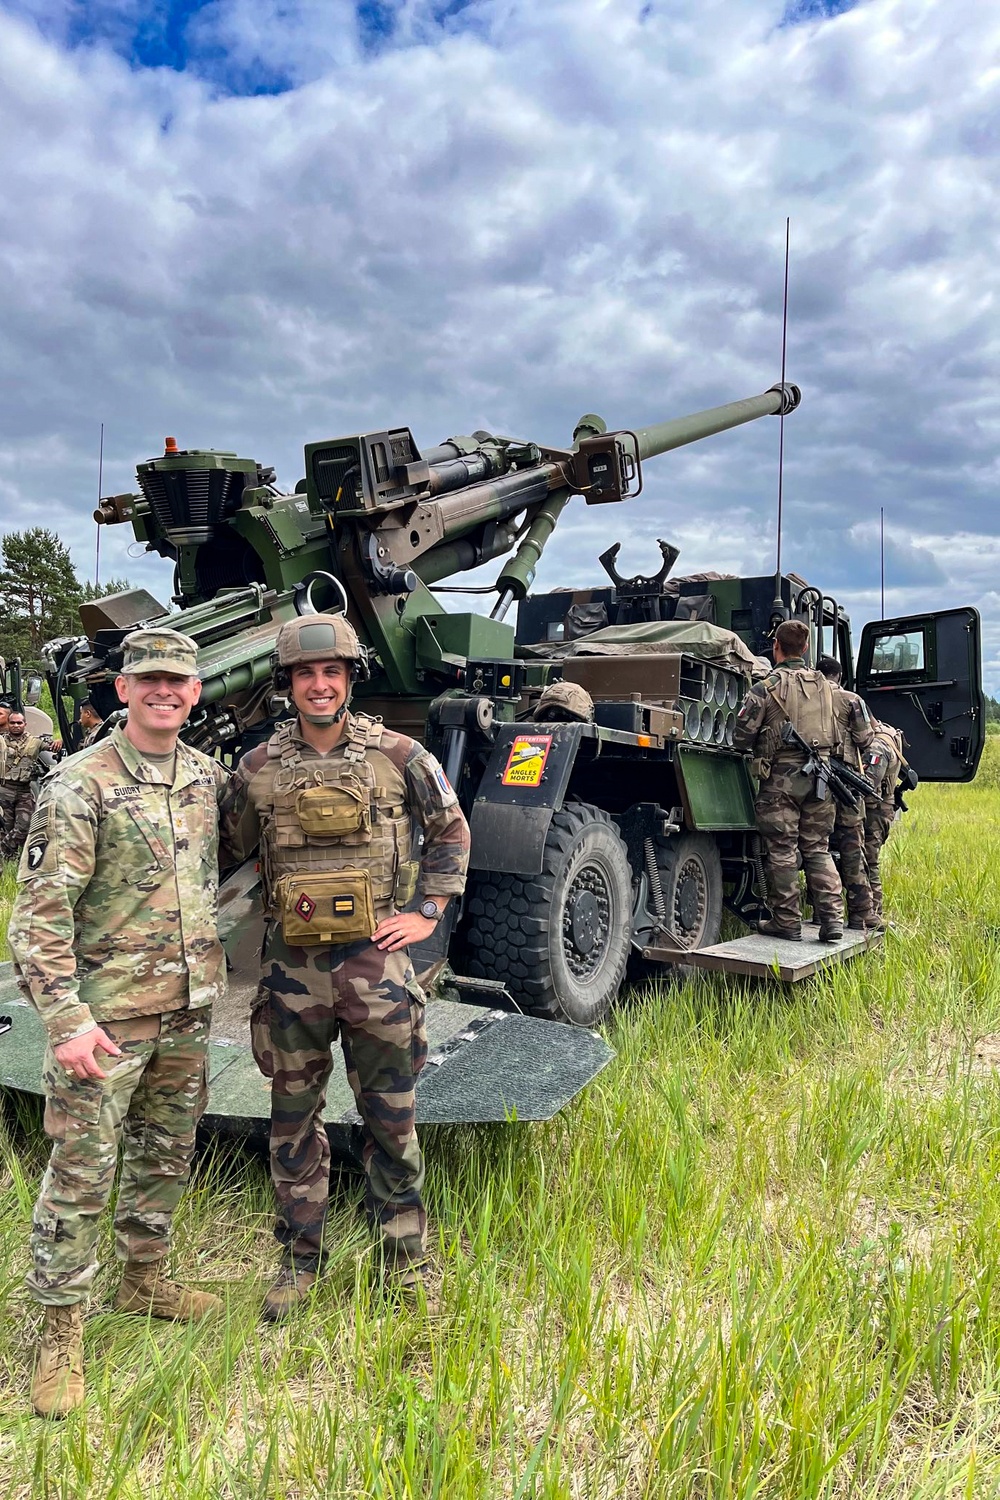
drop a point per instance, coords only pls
(757, 1257)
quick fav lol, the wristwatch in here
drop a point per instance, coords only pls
(430, 910)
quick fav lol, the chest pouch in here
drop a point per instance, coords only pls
(328, 906)
(333, 812)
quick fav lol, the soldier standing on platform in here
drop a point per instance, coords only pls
(791, 818)
(856, 734)
(885, 762)
(115, 943)
(332, 798)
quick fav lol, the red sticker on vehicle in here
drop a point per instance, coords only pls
(526, 760)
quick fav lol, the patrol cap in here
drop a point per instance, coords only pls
(148, 651)
(565, 700)
(318, 638)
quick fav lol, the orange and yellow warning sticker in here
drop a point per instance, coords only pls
(526, 760)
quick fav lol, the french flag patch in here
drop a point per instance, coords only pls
(443, 782)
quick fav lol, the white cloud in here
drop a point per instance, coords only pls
(530, 212)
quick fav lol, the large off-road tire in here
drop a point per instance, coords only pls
(691, 878)
(560, 939)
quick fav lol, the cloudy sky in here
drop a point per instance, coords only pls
(256, 223)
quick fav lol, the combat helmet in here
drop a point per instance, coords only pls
(319, 638)
(565, 700)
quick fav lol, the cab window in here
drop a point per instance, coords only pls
(898, 654)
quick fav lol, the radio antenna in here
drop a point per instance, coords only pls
(778, 610)
(100, 486)
(881, 551)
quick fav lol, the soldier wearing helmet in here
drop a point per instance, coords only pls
(332, 799)
(563, 702)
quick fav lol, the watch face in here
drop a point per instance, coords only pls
(430, 909)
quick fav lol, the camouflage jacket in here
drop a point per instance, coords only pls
(115, 914)
(19, 762)
(444, 858)
(855, 725)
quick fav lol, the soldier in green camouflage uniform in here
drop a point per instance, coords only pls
(790, 817)
(848, 838)
(321, 979)
(19, 769)
(885, 761)
(115, 943)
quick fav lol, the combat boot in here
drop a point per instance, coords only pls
(57, 1382)
(290, 1288)
(831, 932)
(776, 930)
(410, 1288)
(146, 1289)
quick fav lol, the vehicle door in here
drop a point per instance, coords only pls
(923, 674)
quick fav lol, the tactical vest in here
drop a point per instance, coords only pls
(338, 813)
(883, 761)
(807, 698)
(18, 758)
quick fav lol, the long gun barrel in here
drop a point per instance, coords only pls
(605, 462)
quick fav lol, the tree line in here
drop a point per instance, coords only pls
(41, 593)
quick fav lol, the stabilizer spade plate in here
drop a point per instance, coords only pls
(483, 1065)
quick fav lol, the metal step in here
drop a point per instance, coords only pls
(763, 957)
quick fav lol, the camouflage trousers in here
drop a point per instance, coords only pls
(878, 825)
(849, 841)
(791, 820)
(148, 1106)
(17, 803)
(308, 998)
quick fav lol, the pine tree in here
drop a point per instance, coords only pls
(39, 592)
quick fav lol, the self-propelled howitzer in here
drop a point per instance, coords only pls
(374, 522)
(590, 842)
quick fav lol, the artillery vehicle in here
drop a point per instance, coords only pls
(598, 848)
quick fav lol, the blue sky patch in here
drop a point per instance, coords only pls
(165, 34)
(814, 10)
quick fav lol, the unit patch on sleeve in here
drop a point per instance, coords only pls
(526, 760)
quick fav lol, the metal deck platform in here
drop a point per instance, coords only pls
(762, 957)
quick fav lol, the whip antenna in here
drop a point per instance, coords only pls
(778, 610)
(100, 486)
(881, 551)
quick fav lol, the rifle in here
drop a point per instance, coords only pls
(834, 777)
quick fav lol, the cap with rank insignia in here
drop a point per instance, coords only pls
(148, 651)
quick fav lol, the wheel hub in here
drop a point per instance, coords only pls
(584, 920)
(586, 925)
(690, 897)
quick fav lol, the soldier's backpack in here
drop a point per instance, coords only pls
(806, 699)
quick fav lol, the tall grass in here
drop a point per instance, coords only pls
(755, 1258)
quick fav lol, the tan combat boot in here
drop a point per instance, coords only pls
(146, 1289)
(411, 1288)
(290, 1288)
(57, 1382)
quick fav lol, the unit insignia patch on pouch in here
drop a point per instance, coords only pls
(305, 906)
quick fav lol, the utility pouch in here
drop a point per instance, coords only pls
(760, 768)
(406, 882)
(331, 812)
(328, 906)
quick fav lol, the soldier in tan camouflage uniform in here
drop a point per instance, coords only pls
(19, 769)
(332, 798)
(114, 940)
(790, 816)
(885, 762)
(848, 838)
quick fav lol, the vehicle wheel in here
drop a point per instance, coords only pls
(559, 940)
(691, 877)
